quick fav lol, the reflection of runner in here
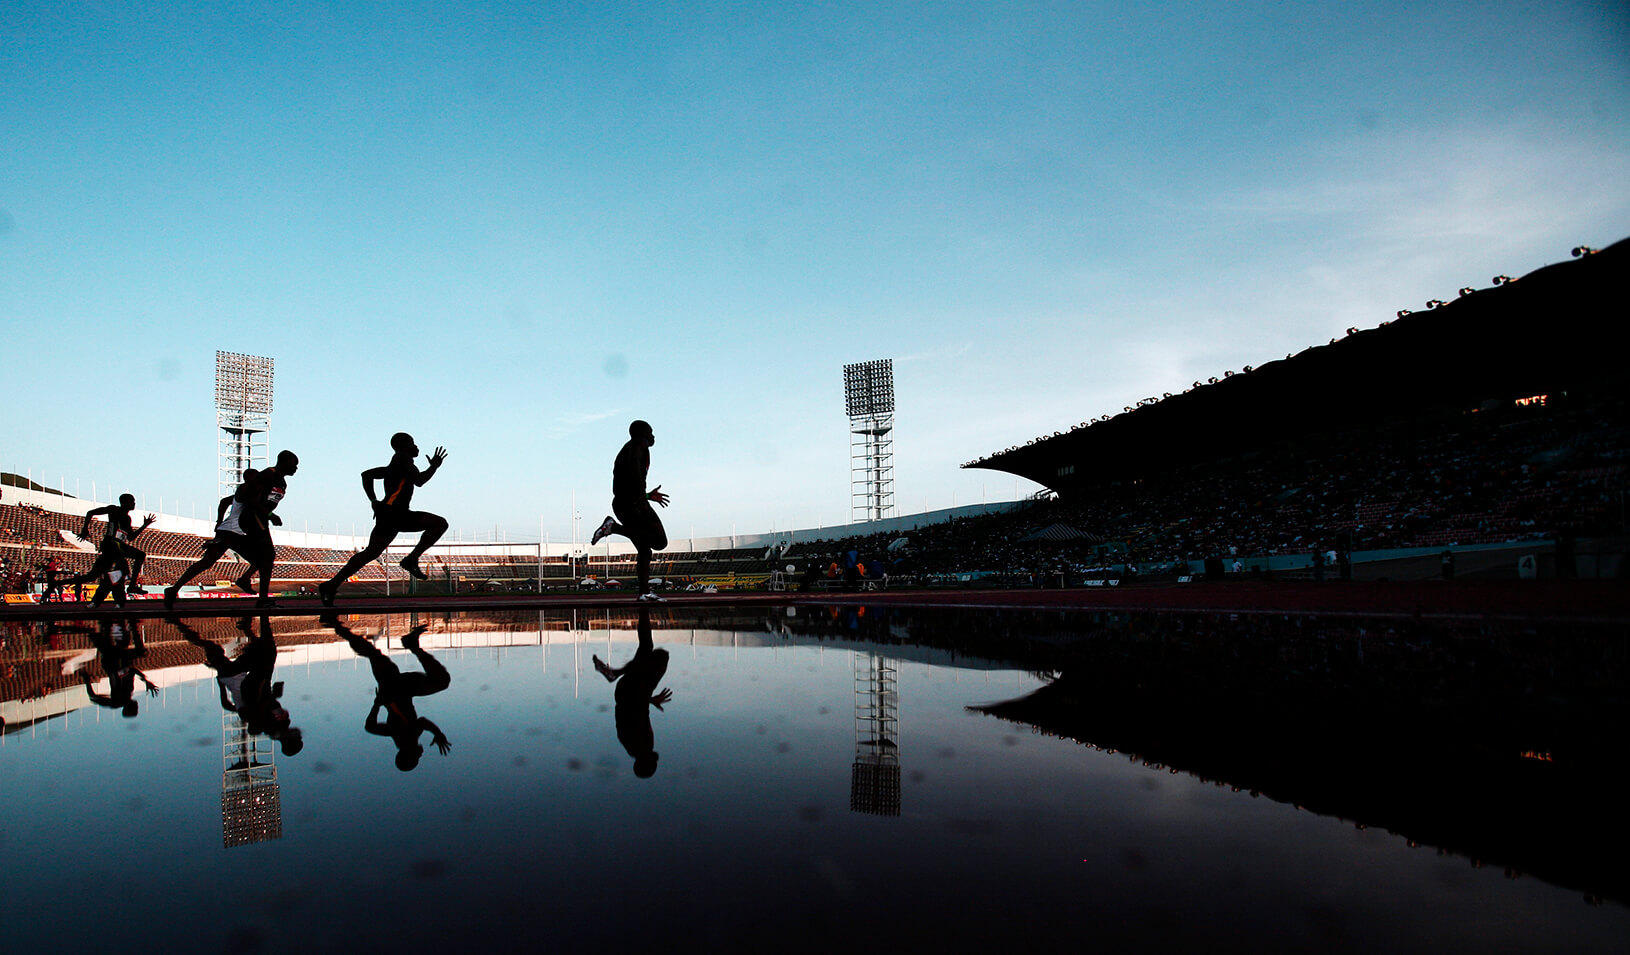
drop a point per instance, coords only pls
(635, 694)
(635, 519)
(402, 722)
(118, 646)
(229, 535)
(246, 682)
(393, 516)
(117, 558)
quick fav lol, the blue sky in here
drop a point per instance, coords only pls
(512, 228)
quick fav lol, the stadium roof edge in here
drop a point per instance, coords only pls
(1478, 346)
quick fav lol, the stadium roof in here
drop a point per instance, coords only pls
(1545, 333)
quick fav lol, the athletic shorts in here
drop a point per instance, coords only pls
(640, 523)
(250, 549)
(405, 522)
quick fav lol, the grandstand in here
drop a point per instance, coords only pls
(1541, 335)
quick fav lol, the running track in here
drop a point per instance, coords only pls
(1584, 601)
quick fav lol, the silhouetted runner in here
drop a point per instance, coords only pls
(260, 498)
(396, 690)
(393, 516)
(229, 535)
(117, 557)
(636, 693)
(631, 503)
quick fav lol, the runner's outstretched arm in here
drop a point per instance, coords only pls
(435, 735)
(435, 465)
(85, 529)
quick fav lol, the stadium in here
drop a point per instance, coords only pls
(1449, 440)
(1226, 550)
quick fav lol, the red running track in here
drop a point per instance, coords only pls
(1593, 600)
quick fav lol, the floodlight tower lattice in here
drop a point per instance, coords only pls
(874, 777)
(868, 394)
(243, 416)
(251, 802)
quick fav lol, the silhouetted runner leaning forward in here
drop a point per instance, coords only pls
(260, 498)
(392, 516)
(229, 535)
(631, 503)
(117, 558)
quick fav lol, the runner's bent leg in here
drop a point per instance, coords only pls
(380, 539)
(213, 550)
(431, 526)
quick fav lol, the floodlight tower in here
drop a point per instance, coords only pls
(243, 416)
(874, 777)
(251, 804)
(868, 392)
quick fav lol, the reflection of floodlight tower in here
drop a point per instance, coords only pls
(243, 415)
(874, 780)
(868, 392)
(251, 809)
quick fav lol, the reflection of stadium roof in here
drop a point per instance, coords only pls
(1542, 334)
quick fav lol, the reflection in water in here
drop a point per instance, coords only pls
(636, 693)
(874, 779)
(1499, 745)
(394, 698)
(118, 643)
(1500, 741)
(245, 682)
(1493, 742)
(251, 718)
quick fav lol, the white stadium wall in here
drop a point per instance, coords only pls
(615, 546)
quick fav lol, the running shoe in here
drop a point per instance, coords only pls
(170, 593)
(411, 565)
(651, 598)
(606, 527)
(326, 591)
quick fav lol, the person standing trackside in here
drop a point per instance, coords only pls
(631, 503)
